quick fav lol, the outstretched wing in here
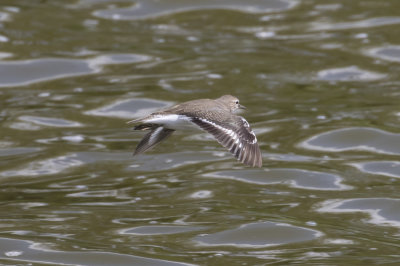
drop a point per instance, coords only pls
(237, 137)
(155, 136)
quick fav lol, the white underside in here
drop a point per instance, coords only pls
(176, 122)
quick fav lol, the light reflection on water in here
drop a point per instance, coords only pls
(25, 72)
(153, 8)
(320, 82)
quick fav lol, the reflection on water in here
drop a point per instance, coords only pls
(256, 235)
(45, 167)
(381, 211)
(320, 82)
(366, 23)
(159, 230)
(387, 168)
(130, 108)
(153, 8)
(28, 251)
(296, 178)
(25, 72)
(389, 53)
(350, 139)
(352, 73)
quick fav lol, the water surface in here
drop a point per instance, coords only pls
(321, 84)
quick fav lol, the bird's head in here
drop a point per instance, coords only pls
(231, 102)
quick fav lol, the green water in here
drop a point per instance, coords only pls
(320, 80)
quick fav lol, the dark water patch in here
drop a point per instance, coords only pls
(296, 178)
(160, 230)
(153, 8)
(104, 203)
(25, 72)
(382, 211)
(356, 138)
(13, 250)
(258, 235)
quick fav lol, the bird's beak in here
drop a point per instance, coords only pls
(242, 107)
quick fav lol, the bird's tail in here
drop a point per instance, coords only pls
(136, 120)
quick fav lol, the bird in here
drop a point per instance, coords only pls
(214, 116)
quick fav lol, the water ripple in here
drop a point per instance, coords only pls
(129, 108)
(388, 53)
(49, 121)
(159, 230)
(153, 8)
(25, 72)
(367, 23)
(356, 138)
(21, 250)
(386, 168)
(382, 211)
(46, 166)
(257, 235)
(296, 178)
(351, 73)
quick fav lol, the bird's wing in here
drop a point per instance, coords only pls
(155, 136)
(236, 136)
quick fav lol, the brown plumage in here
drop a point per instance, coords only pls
(213, 116)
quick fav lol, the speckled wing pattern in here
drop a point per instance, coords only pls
(236, 136)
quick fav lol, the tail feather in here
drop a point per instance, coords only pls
(133, 121)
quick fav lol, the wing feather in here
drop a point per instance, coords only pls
(151, 139)
(237, 137)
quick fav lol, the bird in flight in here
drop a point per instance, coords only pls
(215, 116)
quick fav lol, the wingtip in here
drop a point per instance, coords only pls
(259, 158)
(259, 164)
(242, 144)
(251, 156)
(254, 158)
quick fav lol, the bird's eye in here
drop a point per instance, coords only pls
(237, 102)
